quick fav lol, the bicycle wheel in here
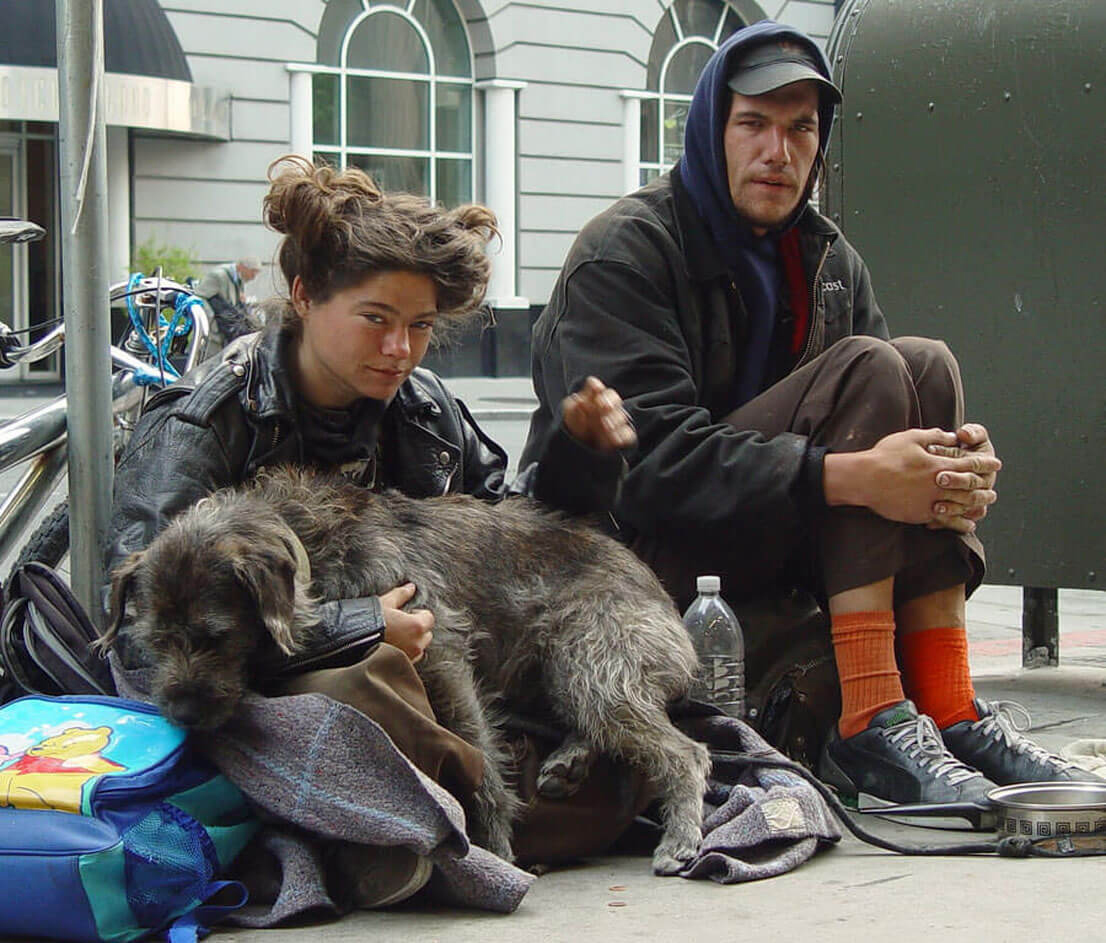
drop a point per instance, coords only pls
(49, 543)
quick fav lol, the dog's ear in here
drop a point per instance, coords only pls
(122, 581)
(270, 578)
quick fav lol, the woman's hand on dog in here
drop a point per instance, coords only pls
(595, 416)
(410, 632)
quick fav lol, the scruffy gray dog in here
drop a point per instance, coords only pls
(527, 605)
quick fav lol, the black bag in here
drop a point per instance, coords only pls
(45, 639)
(800, 705)
(792, 692)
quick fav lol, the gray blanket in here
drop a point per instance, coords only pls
(762, 822)
(318, 769)
(325, 770)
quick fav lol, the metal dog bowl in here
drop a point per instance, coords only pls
(1049, 810)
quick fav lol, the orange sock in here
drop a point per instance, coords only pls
(864, 647)
(936, 673)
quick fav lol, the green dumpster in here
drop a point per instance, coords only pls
(966, 168)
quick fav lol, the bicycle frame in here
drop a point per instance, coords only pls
(39, 436)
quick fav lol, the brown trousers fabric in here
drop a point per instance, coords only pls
(847, 399)
(386, 688)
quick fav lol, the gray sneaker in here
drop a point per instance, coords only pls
(899, 759)
(996, 745)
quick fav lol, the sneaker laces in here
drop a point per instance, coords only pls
(921, 738)
(1007, 722)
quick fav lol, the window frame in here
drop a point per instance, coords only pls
(663, 97)
(647, 170)
(431, 154)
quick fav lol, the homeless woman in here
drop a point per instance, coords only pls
(334, 383)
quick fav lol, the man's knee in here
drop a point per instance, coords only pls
(925, 353)
(862, 393)
(935, 374)
(876, 364)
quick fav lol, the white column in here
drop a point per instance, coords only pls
(631, 142)
(119, 205)
(500, 187)
(300, 109)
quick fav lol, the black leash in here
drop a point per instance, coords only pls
(1006, 846)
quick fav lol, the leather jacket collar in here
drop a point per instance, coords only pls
(268, 389)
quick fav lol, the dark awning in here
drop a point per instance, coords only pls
(138, 38)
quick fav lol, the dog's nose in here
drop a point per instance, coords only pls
(189, 710)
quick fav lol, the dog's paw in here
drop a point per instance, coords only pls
(558, 782)
(671, 857)
(565, 770)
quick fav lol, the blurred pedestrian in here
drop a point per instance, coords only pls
(224, 291)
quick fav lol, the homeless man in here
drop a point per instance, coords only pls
(783, 437)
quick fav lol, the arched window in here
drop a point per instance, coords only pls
(393, 95)
(686, 37)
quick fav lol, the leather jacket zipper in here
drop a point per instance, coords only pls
(813, 307)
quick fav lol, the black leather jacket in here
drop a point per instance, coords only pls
(232, 416)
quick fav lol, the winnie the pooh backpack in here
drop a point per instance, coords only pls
(111, 827)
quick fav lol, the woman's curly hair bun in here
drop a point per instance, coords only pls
(339, 227)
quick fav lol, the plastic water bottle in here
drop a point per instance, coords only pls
(716, 635)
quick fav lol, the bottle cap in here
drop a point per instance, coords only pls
(708, 584)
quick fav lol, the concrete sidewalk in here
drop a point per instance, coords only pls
(848, 893)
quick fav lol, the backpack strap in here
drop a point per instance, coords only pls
(12, 658)
(46, 637)
(46, 644)
(196, 924)
(49, 592)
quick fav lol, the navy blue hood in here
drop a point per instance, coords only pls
(703, 163)
(754, 261)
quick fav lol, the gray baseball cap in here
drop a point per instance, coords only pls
(778, 62)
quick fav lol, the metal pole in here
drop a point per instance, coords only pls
(1040, 626)
(85, 278)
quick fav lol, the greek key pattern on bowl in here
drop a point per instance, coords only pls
(1017, 826)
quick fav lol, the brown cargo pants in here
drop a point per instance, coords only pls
(385, 687)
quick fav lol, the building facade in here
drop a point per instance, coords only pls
(546, 111)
